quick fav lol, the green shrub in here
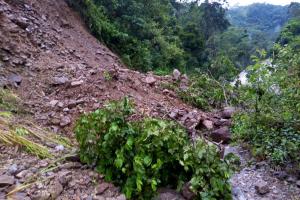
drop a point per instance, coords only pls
(141, 156)
(203, 92)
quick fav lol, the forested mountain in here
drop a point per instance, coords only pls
(262, 21)
(253, 27)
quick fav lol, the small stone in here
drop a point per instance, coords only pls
(187, 193)
(102, 188)
(291, 180)
(13, 169)
(60, 104)
(77, 83)
(22, 174)
(168, 194)
(173, 114)
(298, 184)
(6, 180)
(176, 74)
(281, 175)
(262, 187)
(64, 177)
(43, 163)
(221, 135)
(55, 189)
(228, 112)
(150, 80)
(41, 195)
(64, 23)
(60, 80)
(22, 22)
(65, 121)
(209, 125)
(59, 148)
(15, 79)
(53, 103)
(121, 197)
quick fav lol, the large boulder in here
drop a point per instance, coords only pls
(221, 135)
(6, 180)
(150, 80)
(228, 112)
(176, 74)
(262, 187)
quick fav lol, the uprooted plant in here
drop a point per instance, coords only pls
(141, 156)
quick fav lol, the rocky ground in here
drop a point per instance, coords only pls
(61, 71)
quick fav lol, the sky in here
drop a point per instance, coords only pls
(247, 2)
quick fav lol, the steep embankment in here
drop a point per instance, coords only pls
(62, 71)
(59, 70)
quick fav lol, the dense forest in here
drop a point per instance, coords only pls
(163, 35)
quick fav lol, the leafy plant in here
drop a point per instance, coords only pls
(203, 92)
(144, 155)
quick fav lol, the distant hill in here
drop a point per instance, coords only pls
(260, 20)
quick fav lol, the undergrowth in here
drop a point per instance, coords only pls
(141, 156)
(270, 120)
(203, 92)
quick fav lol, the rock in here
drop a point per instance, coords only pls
(102, 188)
(77, 83)
(238, 194)
(2, 194)
(168, 194)
(43, 163)
(173, 114)
(21, 22)
(169, 93)
(291, 180)
(13, 169)
(65, 120)
(228, 112)
(262, 187)
(298, 184)
(6, 180)
(64, 177)
(150, 80)
(121, 197)
(223, 122)
(60, 80)
(221, 134)
(59, 148)
(22, 174)
(64, 23)
(41, 195)
(15, 79)
(281, 175)
(209, 125)
(176, 74)
(53, 103)
(55, 189)
(187, 193)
